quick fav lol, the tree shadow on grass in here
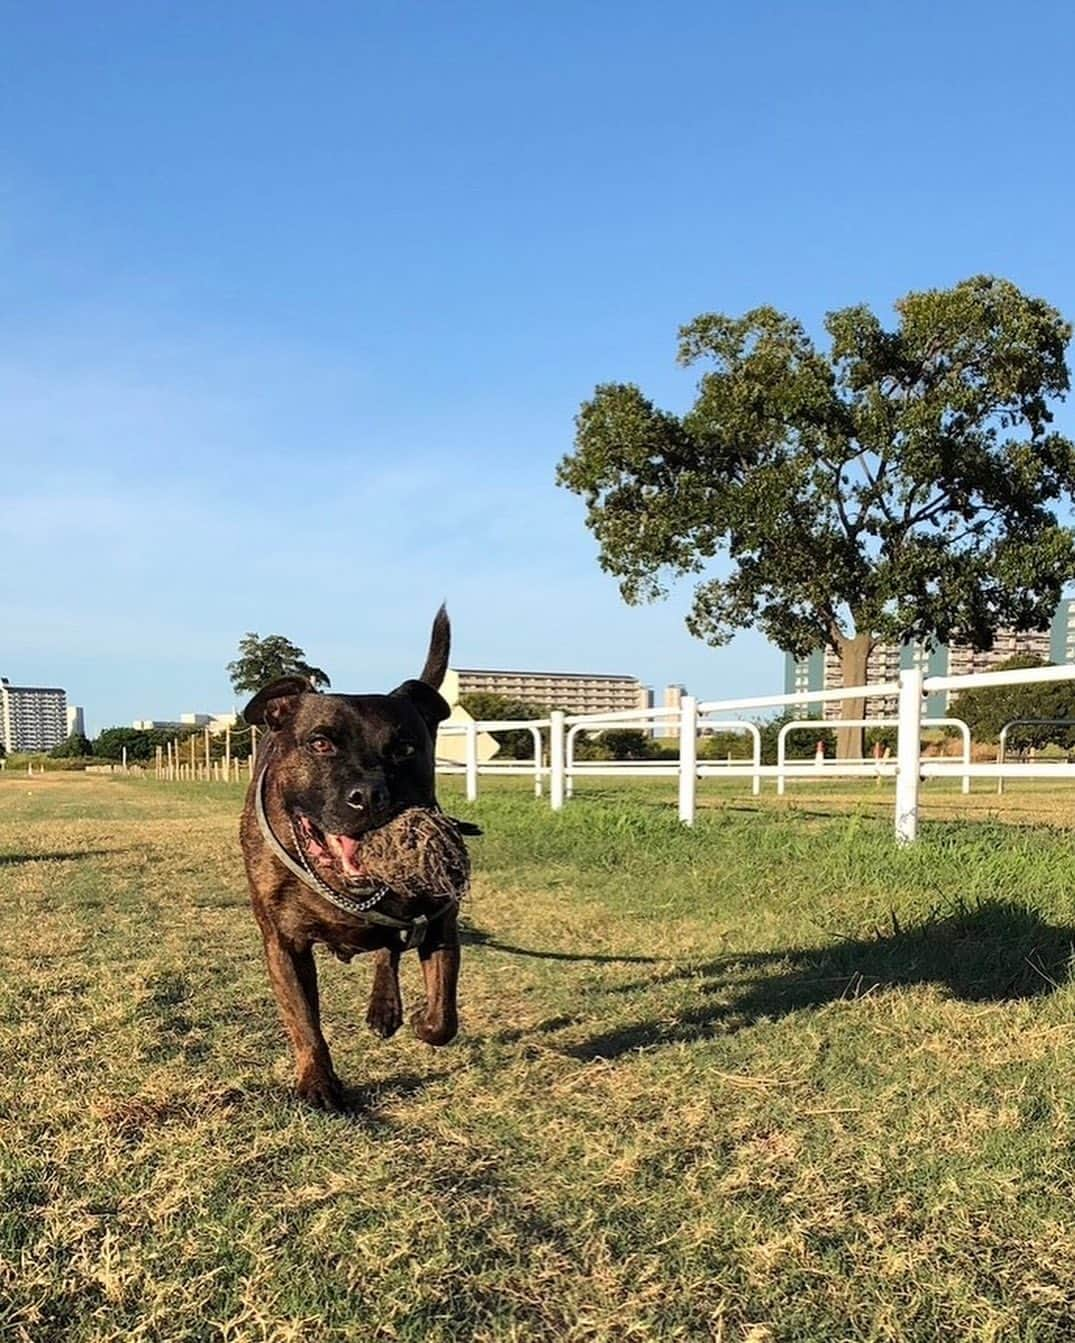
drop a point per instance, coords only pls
(990, 952)
(17, 859)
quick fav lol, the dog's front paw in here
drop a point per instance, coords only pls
(321, 1089)
(384, 1016)
(434, 1028)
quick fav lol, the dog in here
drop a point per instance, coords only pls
(329, 769)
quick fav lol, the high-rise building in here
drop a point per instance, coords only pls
(571, 691)
(821, 670)
(673, 698)
(76, 720)
(32, 718)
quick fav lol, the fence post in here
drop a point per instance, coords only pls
(908, 754)
(472, 762)
(1000, 756)
(556, 759)
(756, 786)
(688, 758)
(538, 751)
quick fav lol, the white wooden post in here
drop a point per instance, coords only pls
(556, 759)
(688, 758)
(908, 754)
(1000, 757)
(472, 762)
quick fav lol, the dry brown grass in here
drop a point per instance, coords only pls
(769, 1080)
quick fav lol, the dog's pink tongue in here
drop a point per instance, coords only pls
(350, 859)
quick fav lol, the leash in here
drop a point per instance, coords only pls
(365, 910)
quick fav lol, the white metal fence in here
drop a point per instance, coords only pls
(557, 765)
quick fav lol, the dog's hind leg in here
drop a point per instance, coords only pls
(384, 1016)
(293, 975)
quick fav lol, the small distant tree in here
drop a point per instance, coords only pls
(719, 745)
(626, 743)
(801, 745)
(898, 486)
(110, 742)
(263, 660)
(885, 737)
(987, 709)
(75, 747)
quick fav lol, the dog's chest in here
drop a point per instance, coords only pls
(345, 937)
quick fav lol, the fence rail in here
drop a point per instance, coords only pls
(560, 766)
(554, 762)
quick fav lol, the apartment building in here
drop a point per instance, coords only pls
(821, 670)
(571, 691)
(32, 718)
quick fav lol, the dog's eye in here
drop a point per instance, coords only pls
(403, 750)
(320, 745)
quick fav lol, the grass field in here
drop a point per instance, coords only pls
(769, 1079)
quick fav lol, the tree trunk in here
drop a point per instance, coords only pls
(854, 655)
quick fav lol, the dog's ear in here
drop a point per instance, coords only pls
(432, 706)
(274, 705)
(440, 643)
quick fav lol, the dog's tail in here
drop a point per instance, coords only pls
(440, 644)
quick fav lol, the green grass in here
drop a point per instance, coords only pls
(770, 1079)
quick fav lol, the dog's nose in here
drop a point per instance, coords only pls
(368, 798)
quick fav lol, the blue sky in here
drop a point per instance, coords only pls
(300, 301)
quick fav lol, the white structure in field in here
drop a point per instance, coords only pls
(32, 718)
(452, 747)
(215, 722)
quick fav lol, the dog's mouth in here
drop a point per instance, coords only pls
(339, 855)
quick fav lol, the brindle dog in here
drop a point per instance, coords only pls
(335, 767)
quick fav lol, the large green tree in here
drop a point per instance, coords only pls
(898, 485)
(263, 660)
